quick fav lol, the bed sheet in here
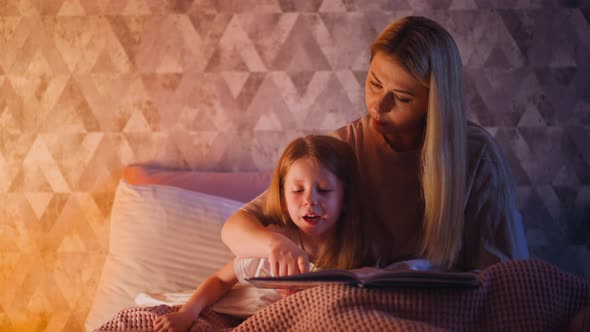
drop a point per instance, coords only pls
(522, 295)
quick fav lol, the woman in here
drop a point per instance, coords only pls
(434, 186)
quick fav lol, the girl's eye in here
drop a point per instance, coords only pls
(324, 190)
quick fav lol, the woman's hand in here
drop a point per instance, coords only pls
(174, 322)
(286, 257)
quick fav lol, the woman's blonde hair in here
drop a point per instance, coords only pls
(428, 52)
(347, 249)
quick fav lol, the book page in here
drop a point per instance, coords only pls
(370, 277)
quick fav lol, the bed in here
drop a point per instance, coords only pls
(164, 238)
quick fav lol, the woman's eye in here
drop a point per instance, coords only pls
(325, 190)
(403, 100)
(376, 85)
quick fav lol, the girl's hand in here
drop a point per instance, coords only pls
(174, 322)
(286, 257)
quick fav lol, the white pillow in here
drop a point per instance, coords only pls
(243, 300)
(163, 239)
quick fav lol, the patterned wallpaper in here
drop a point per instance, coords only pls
(88, 86)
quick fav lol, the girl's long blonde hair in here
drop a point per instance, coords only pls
(429, 53)
(348, 249)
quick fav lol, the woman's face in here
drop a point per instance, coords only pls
(396, 101)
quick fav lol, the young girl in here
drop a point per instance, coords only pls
(313, 201)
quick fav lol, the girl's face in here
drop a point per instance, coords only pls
(313, 196)
(395, 100)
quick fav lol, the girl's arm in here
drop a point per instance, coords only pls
(245, 235)
(209, 292)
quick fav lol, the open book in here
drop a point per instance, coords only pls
(370, 277)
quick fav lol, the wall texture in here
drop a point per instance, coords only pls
(88, 86)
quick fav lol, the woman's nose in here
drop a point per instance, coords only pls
(384, 103)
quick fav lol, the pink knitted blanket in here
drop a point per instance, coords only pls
(526, 295)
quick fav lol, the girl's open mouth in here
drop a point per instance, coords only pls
(312, 218)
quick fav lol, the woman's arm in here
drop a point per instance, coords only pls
(209, 292)
(245, 235)
(493, 230)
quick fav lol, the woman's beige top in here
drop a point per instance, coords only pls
(391, 191)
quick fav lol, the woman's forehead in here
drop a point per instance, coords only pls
(389, 71)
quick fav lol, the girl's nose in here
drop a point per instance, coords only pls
(312, 198)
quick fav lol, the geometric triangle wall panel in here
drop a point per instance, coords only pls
(87, 87)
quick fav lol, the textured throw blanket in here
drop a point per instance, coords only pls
(526, 295)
